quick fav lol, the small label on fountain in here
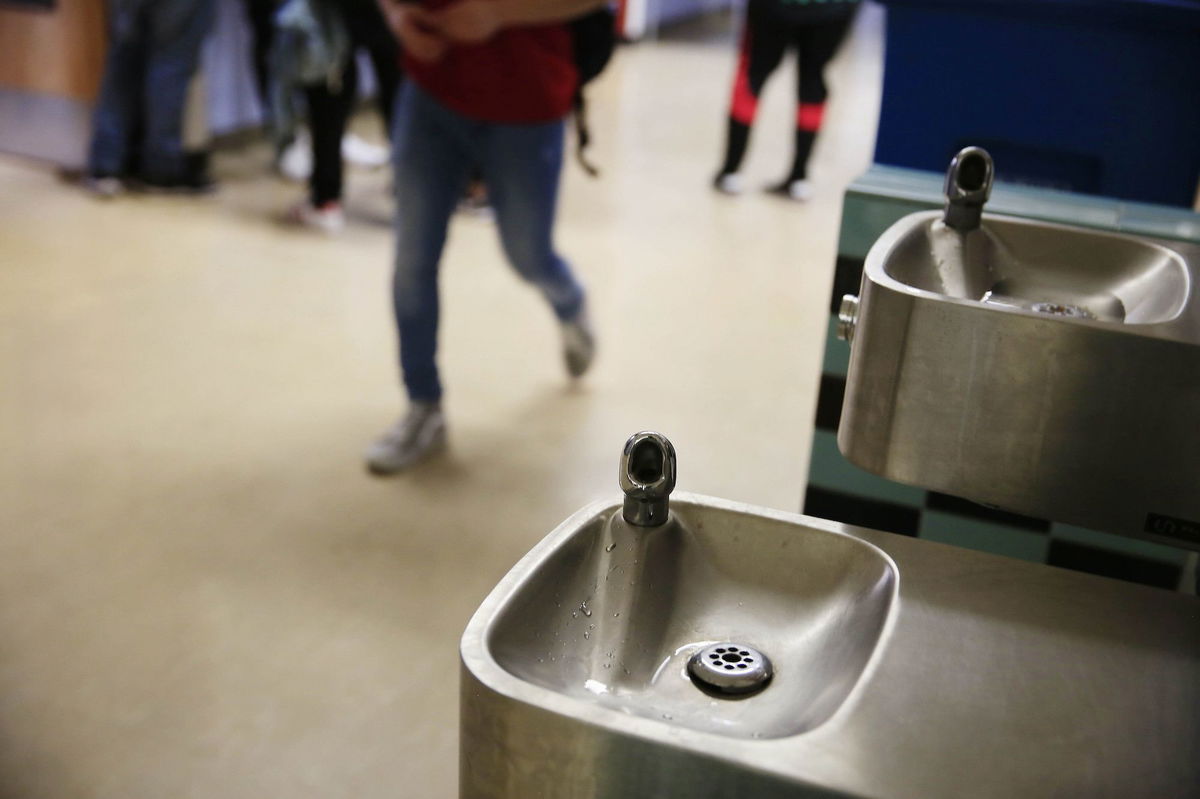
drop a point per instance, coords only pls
(1170, 527)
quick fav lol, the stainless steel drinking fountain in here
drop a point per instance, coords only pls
(668, 646)
(733, 651)
(1044, 369)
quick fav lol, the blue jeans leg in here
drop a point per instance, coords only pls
(119, 104)
(176, 31)
(521, 167)
(432, 156)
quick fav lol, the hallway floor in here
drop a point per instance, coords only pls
(203, 594)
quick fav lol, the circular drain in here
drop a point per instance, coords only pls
(730, 669)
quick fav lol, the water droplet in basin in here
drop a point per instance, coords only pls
(611, 547)
(586, 634)
(583, 607)
(667, 716)
(616, 615)
(574, 614)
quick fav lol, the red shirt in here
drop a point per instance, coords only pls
(521, 75)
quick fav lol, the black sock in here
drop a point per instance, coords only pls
(804, 145)
(735, 146)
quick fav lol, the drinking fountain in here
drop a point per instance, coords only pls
(1044, 369)
(667, 645)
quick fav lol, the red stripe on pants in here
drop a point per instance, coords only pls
(809, 115)
(744, 104)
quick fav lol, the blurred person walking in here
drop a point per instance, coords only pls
(816, 29)
(490, 83)
(330, 104)
(137, 133)
(294, 161)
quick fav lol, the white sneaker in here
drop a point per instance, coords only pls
(104, 187)
(798, 190)
(476, 203)
(421, 433)
(329, 218)
(579, 344)
(295, 163)
(729, 183)
(361, 152)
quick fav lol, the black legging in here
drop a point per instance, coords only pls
(328, 110)
(765, 40)
(260, 14)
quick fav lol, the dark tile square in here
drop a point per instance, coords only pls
(847, 277)
(1131, 568)
(829, 402)
(861, 511)
(965, 507)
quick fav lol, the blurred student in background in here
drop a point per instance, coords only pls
(331, 103)
(490, 83)
(137, 135)
(815, 28)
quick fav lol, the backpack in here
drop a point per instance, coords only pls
(311, 45)
(593, 38)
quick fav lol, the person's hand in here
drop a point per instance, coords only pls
(469, 21)
(416, 30)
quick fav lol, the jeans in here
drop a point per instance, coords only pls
(435, 150)
(152, 55)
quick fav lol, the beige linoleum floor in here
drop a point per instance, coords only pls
(202, 594)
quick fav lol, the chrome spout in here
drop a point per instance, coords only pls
(647, 476)
(968, 187)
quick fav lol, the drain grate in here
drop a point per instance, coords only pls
(730, 668)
